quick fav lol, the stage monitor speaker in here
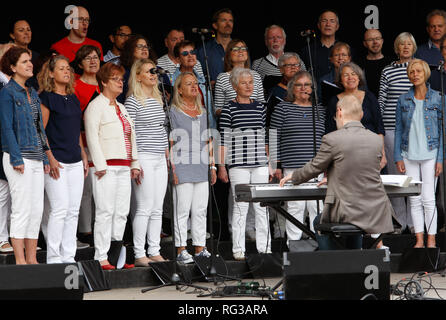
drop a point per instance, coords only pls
(303, 245)
(41, 282)
(265, 265)
(420, 260)
(337, 275)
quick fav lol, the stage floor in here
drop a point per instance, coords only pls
(436, 291)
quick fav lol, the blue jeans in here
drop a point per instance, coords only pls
(327, 242)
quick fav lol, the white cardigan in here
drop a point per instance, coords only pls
(104, 133)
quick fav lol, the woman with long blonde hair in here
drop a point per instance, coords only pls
(145, 107)
(192, 158)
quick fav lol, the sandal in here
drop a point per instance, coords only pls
(5, 247)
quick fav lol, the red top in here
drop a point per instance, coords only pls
(68, 49)
(84, 92)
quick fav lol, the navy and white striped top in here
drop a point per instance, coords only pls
(291, 131)
(243, 133)
(39, 153)
(394, 82)
(224, 92)
(149, 120)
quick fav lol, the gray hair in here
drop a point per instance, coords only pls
(290, 88)
(286, 56)
(237, 73)
(273, 27)
(403, 37)
(356, 69)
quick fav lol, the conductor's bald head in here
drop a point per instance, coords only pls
(348, 109)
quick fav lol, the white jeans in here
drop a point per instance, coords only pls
(423, 208)
(149, 198)
(5, 209)
(193, 198)
(64, 198)
(26, 198)
(402, 211)
(297, 210)
(240, 211)
(112, 198)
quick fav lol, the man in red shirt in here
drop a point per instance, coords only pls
(77, 37)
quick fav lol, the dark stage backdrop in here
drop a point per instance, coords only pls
(154, 18)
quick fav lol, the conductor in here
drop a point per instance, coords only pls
(351, 158)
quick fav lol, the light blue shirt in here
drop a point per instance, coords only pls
(418, 149)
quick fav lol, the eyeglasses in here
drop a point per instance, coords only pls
(91, 58)
(117, 79)
(186, 53)
(341, 55)
(373, 39)
(83, 20)
(292, 65)
(237, 49)
(124, 35)
(142, 47)
(304, 85)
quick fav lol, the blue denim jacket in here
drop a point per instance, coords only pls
(17, 124)
(432, 121)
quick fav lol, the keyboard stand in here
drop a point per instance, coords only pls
(276, 206)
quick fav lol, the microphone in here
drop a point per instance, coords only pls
(307, 33)
(158, 71)
(201, 30)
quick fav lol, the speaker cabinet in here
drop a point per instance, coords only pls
(337, 275)
(41, 282)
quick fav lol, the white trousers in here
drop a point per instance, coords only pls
(240, 211)
(402, 211)
(5, 209)
(193, 198)
(423, 208)
(297, 210)
(149, 197)
(27, 191)
(64, 199)
(112, 198)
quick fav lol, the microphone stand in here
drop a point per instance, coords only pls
(443, 132)
(175, 279)
(314, 101)
(212, 271)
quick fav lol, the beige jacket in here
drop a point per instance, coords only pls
(351, 156)
(104, 133)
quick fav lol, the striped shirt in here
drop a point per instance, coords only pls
(224, 92)
(149, 120)
(243, 133)
(291, 134)
(127, 128)
(38, 153)
(166, 64)
(266, 66)
(394, 82)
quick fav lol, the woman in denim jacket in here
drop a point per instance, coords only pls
(419, 147)
(24, 144)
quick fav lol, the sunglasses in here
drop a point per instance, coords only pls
(186, 53)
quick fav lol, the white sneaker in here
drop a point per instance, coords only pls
(205, 253)
(185, 257)
(239, 256)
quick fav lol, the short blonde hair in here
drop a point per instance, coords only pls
(403, 37)
(46, 83)
(135, 87)
(351, 108)
(424, 65)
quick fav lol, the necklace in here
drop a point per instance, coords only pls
(194, 108)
